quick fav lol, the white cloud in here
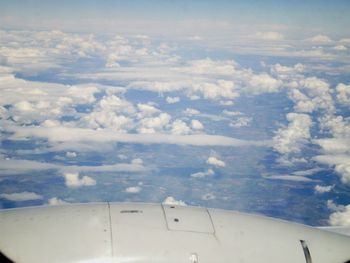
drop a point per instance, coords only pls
(68, 134)
(23, 196)
(340, 48)
(207, 173)
(220, 89)
(73, 180)
(216, 162)
(323, 189)
(270, 35)
(241, 122)
(146, 110)
(133, 189)
(232, 113)
(263, 83)
(71, 154)
(137, 161)
(180, 128)
(16, 166)
(196, 125)
(344, 171)
(340, 218)
(343, 95)
(292, 138)
(285, 177)
(172, 201)
(284, 70)
(320, 39)
(190, 112)
(154, 124)
(172, 100)
(56, 201)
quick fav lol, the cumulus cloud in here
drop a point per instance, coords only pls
(172, 100)
(133, 189)
(216, 162)
(207, 173)
(179, 127)
(56, 201)
(340, 217)
(196, 125)
(320, 39)
(241, 122)
(73, 180)
(343, 94)
(340, 48)
(323, 189)
(190, 112)
(71, 154)
(22, 196)
(291, 139)
(172, 201)
(263, 83)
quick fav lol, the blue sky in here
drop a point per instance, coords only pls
(317, 16)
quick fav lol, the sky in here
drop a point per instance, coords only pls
(241, 105)
(318, 16)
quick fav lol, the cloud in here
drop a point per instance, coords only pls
(207, 173)
(291, 139)
(190, 112)
(295, 178)
(340, 48)
(133, 189)
(68, 134)
(15, 166)
(241, 122)
(340, 218)
(196, 125)
(73, 180)
(343, 95)
(23, 196)
(172, 201)
(320, 39)
(269, 35)
(56, 201)
(263, 83)
(172, 100)
(180, 128)
(323, 189)
(71, 154)
(216, 162)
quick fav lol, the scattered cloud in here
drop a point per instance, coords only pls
(22, 196)
(320, 39)
(320, 189)
(196, 125)
(73, 180)
(292, 138)
(172, 100)
(133, 189)
(172, 201)
(56, 201)
(209, 172)
(341, 217)
(216, 162)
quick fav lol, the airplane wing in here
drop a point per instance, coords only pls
(136, 232)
